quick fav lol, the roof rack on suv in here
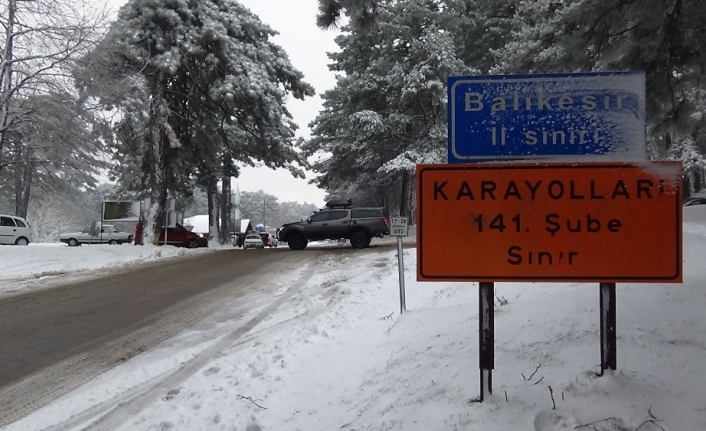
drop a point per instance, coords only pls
(339, 203)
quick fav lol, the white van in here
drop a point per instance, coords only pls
(15, 230)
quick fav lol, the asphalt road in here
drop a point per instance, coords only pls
(54, 340)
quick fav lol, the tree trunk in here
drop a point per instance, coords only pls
(6, 75)
(413, 199)
(404, 198)
(24, 171)
(158, 146)
(226, 204)
(213, 207)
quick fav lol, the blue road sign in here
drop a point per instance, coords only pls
(555, 116)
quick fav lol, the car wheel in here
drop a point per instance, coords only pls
(192, 244)
(367, 243)
(73, 242)
(129, 239)
(297, 241)
(21, 241)
(360, 239)
(112, 242)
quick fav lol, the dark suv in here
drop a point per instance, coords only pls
(338, 220)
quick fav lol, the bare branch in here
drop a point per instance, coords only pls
(612, 418)
(551, 394)
(531, 375)
(240, 397)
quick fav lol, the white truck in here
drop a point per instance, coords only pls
(96, 234)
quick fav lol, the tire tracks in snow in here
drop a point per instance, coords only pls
(113, 413)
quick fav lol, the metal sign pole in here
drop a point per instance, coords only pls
(166, 225)
(400, 265)
(609, 342)
(398, 227)
(486, 338)
(101, 226)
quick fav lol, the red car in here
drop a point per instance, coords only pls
(177, 236)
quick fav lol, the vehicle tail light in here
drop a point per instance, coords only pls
(384, 220)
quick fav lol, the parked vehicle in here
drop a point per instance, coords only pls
(695, 201)
(178, 236)
(96, 234)
(269, 240)
(273, 241)
(338, 220)
(15, 230)
(253, 240)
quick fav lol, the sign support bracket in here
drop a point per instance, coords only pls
(608, 327)
(486, 338)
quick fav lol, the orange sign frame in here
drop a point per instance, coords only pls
(562, 222)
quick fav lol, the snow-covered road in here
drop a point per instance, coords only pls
(330, 351)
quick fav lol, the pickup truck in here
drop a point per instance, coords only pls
(359, 225)
(105, 234)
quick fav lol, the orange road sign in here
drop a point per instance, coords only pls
(600, 222)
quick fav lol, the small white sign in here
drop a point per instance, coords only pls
(398, 226)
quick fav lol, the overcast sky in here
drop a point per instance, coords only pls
(306, 46)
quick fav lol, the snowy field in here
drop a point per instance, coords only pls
(332, 352)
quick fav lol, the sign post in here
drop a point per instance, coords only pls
(399, 228)
(486, 339)
(609, 342)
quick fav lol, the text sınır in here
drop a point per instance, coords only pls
(498, 136)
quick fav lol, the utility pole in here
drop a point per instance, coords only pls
(264, 204)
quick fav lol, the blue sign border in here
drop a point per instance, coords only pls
(620, 138)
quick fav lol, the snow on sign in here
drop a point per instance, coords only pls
(602, 222)
(507, 117)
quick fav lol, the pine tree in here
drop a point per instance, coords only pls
(199, 86)
(387, 112)
(666, 39)
(362, 12)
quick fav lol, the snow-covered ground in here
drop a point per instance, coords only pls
(332, 352)
(43, 265)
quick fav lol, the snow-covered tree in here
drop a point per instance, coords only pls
(57, 147)
(259, 207)
(200, 88)
(388, 110)
(52, 216)
(39, 43)
(332, 12)
(293, 211)
(694, 165)
(666, 39)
